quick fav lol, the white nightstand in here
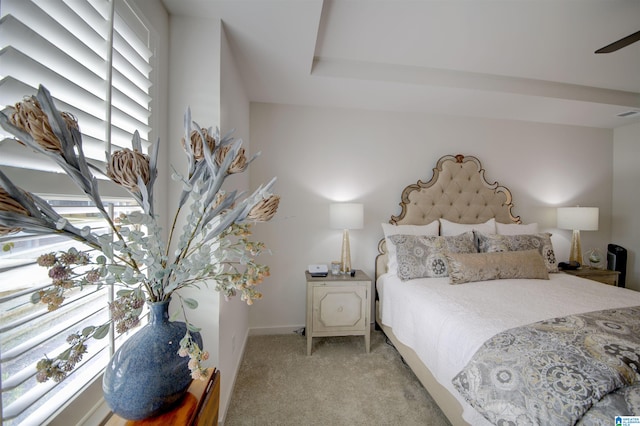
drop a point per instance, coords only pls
(338, 305)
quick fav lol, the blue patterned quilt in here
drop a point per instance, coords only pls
(580, 369)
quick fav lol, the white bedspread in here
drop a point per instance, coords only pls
(445, 324)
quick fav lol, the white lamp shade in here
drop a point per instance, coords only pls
(346, 215)
(578, 218)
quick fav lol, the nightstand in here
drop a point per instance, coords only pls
(338, 305)
(604, 276)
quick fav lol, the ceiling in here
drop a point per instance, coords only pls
(527, 60)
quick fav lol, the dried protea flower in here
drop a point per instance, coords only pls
(220, 197)
(8, 204)
(239, 163)
(126, 165)
(265, 209)
(29, 116)
(196, 143)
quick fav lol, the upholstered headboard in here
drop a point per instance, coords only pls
(458, 192)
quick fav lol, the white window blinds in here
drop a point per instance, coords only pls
(28, 331)
(65, 46)
(95, 57)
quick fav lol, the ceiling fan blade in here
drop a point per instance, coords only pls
(623, 42)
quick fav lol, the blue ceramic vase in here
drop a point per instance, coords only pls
(146, 376)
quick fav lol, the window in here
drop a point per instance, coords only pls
(27, 331)
(95, 57)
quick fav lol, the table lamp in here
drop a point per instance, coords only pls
(346, 216)
(577, 219)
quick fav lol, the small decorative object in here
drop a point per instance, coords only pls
(335, 267)
(211, 248)
(346, 216)
(596, 259)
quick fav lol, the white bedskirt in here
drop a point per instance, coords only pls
(446, 324)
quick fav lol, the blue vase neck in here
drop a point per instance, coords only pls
(159, 312)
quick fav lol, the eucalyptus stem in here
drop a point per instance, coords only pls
(173, 227)
(185, 250)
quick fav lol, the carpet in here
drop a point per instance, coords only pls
(339, 384)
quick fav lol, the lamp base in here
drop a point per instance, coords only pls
(345, 260)
(576, 249)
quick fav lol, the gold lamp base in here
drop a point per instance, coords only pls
(345, 259)
(576, 249)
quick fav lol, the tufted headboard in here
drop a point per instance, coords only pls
(458, 192)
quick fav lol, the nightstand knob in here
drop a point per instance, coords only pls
(340, 309)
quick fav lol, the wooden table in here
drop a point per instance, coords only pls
(604, 276)
(199, 407)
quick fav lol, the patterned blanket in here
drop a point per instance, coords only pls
(554, 371)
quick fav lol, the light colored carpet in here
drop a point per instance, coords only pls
(339, 384)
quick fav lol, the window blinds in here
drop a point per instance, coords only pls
(95, 57)
(65, 45)
(28, 331)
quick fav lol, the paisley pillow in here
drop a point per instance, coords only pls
(420, 256)
(430, 229)
(468, 267)
(488, 243)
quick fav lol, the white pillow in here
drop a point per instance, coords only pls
(430, 230)
(515, 229)
(448, 228)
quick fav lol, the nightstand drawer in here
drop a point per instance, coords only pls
(339, 309)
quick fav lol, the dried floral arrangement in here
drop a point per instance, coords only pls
(212, 247)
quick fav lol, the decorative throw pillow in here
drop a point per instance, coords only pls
(516, 229)
(467, 267)
(488, 243)
(425, 257)
(430, 229)
(448, 228)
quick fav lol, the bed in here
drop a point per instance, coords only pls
(439, 328)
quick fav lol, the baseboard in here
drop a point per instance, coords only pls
(265, 331)
(262, 331)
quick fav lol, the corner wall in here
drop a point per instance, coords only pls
(204, 77)
(626, 204)
(234, 313)
(194, 75)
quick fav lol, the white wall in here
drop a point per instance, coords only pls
(626, 204)
(234, 313)
(204, 76)
(194, 73)
(325, 154)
